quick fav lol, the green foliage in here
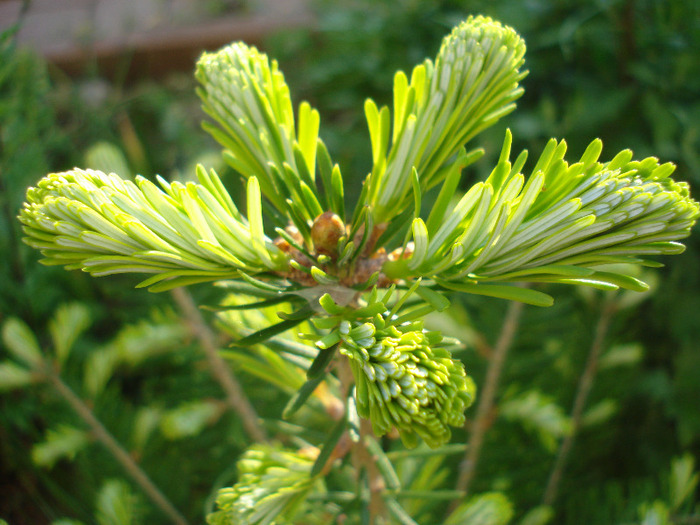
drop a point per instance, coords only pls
(108, 158)
(31, 141)
(13, 376)
(248, 97)
(405, 377)
(405, 380)
(682, 480)
(70, 322)
(626, 75)
(486, 509)
(133, 346)
(71, 217)
(560, 226)
(682, 484)
(538, 414)
(63, 442)
(538, 516)
(189, 419)
(272, 484)
(21, 342)
(116, 504)
(472, 84)
(143, 422)
(593, 68)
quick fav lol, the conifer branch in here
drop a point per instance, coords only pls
(559, 226)
(364, 290)
(182, 233)
(486, 399)
(583, 390)
(472, 84)
(117, 451)
(236, 398)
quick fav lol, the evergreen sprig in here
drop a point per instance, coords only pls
(565, 223)
(405, 379)
(182, 233)
(248, 98)
(272, 483)
(405, 376)
(472, 84)
(562, 224)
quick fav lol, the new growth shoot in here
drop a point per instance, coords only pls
(359, 279)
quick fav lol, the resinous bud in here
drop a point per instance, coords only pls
(326, 231)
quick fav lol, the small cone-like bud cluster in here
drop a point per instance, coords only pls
(405, 380)
(272, 483)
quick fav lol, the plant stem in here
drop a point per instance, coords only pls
(482, 420)
(236, 398)
(582, 392)
(362, 458)
(121, 455)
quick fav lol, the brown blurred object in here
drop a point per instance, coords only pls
(159, 36)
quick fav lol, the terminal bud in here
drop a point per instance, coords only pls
(326, 231)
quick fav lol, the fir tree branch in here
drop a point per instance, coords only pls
(473, 83)
(236, 398)
(117, 451)
(583, 390)
(560, 225)
(486, 399)
(247, 96)
(182, 233)
(272, 484)
(405, 376)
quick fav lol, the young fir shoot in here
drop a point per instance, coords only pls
(367, 277)
(272, 485)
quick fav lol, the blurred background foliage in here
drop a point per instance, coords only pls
(627, 71)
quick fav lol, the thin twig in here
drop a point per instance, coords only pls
(582, 392)
(361, 457)
(122, 456)
(482, 419)
(236, 398)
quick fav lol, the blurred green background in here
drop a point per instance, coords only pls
(626, 71)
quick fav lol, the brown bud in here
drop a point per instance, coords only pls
(364, 269)
(401, 253)
(282, 243)
(326, 230)
(294, 234)
(309, 452)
